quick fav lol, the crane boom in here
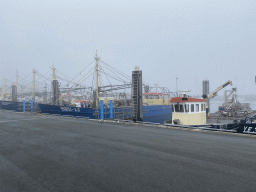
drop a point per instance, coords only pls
(214, 93)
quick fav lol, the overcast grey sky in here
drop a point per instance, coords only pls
(186, 39)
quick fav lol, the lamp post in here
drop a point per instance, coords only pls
(176, 86)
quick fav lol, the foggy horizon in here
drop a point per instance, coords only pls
(186, 39)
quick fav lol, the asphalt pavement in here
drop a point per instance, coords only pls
(52, 153)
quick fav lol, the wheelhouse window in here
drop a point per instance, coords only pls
(197, 107)
(179, 108)
(192, 107)
(145, 96)
(202, 107)
(186, 107)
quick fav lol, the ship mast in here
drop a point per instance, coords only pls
(55, 85)
(53, 72)
(97, 78)
(4, 90)
(34, 84)
(17, 80)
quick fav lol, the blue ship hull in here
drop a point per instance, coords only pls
(78, 111)
(9, 105)
(16, 106)
(157, 113)
(154, 113)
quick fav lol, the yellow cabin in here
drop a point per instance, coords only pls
(152, 98)
(188, 111)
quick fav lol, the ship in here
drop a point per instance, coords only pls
(151, 113)
(156, 106)
(232, 107)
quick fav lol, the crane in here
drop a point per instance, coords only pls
(214, 93)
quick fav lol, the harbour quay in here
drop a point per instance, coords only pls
(56, 153)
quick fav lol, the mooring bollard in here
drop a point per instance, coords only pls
(111, 109)
(101, 109)
(31, 105)
(24, 105)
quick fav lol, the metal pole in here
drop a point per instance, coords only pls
(176, 87)
(31, 105)
(24, 106)
(97, 79)
(111, 109)
(17, 82)
(53, 72)
(4, 90)
(34, 83)
(101, 109)
(21, 91)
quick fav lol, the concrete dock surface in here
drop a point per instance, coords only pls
(53, 153)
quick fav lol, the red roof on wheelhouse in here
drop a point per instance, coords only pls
(186, 99)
